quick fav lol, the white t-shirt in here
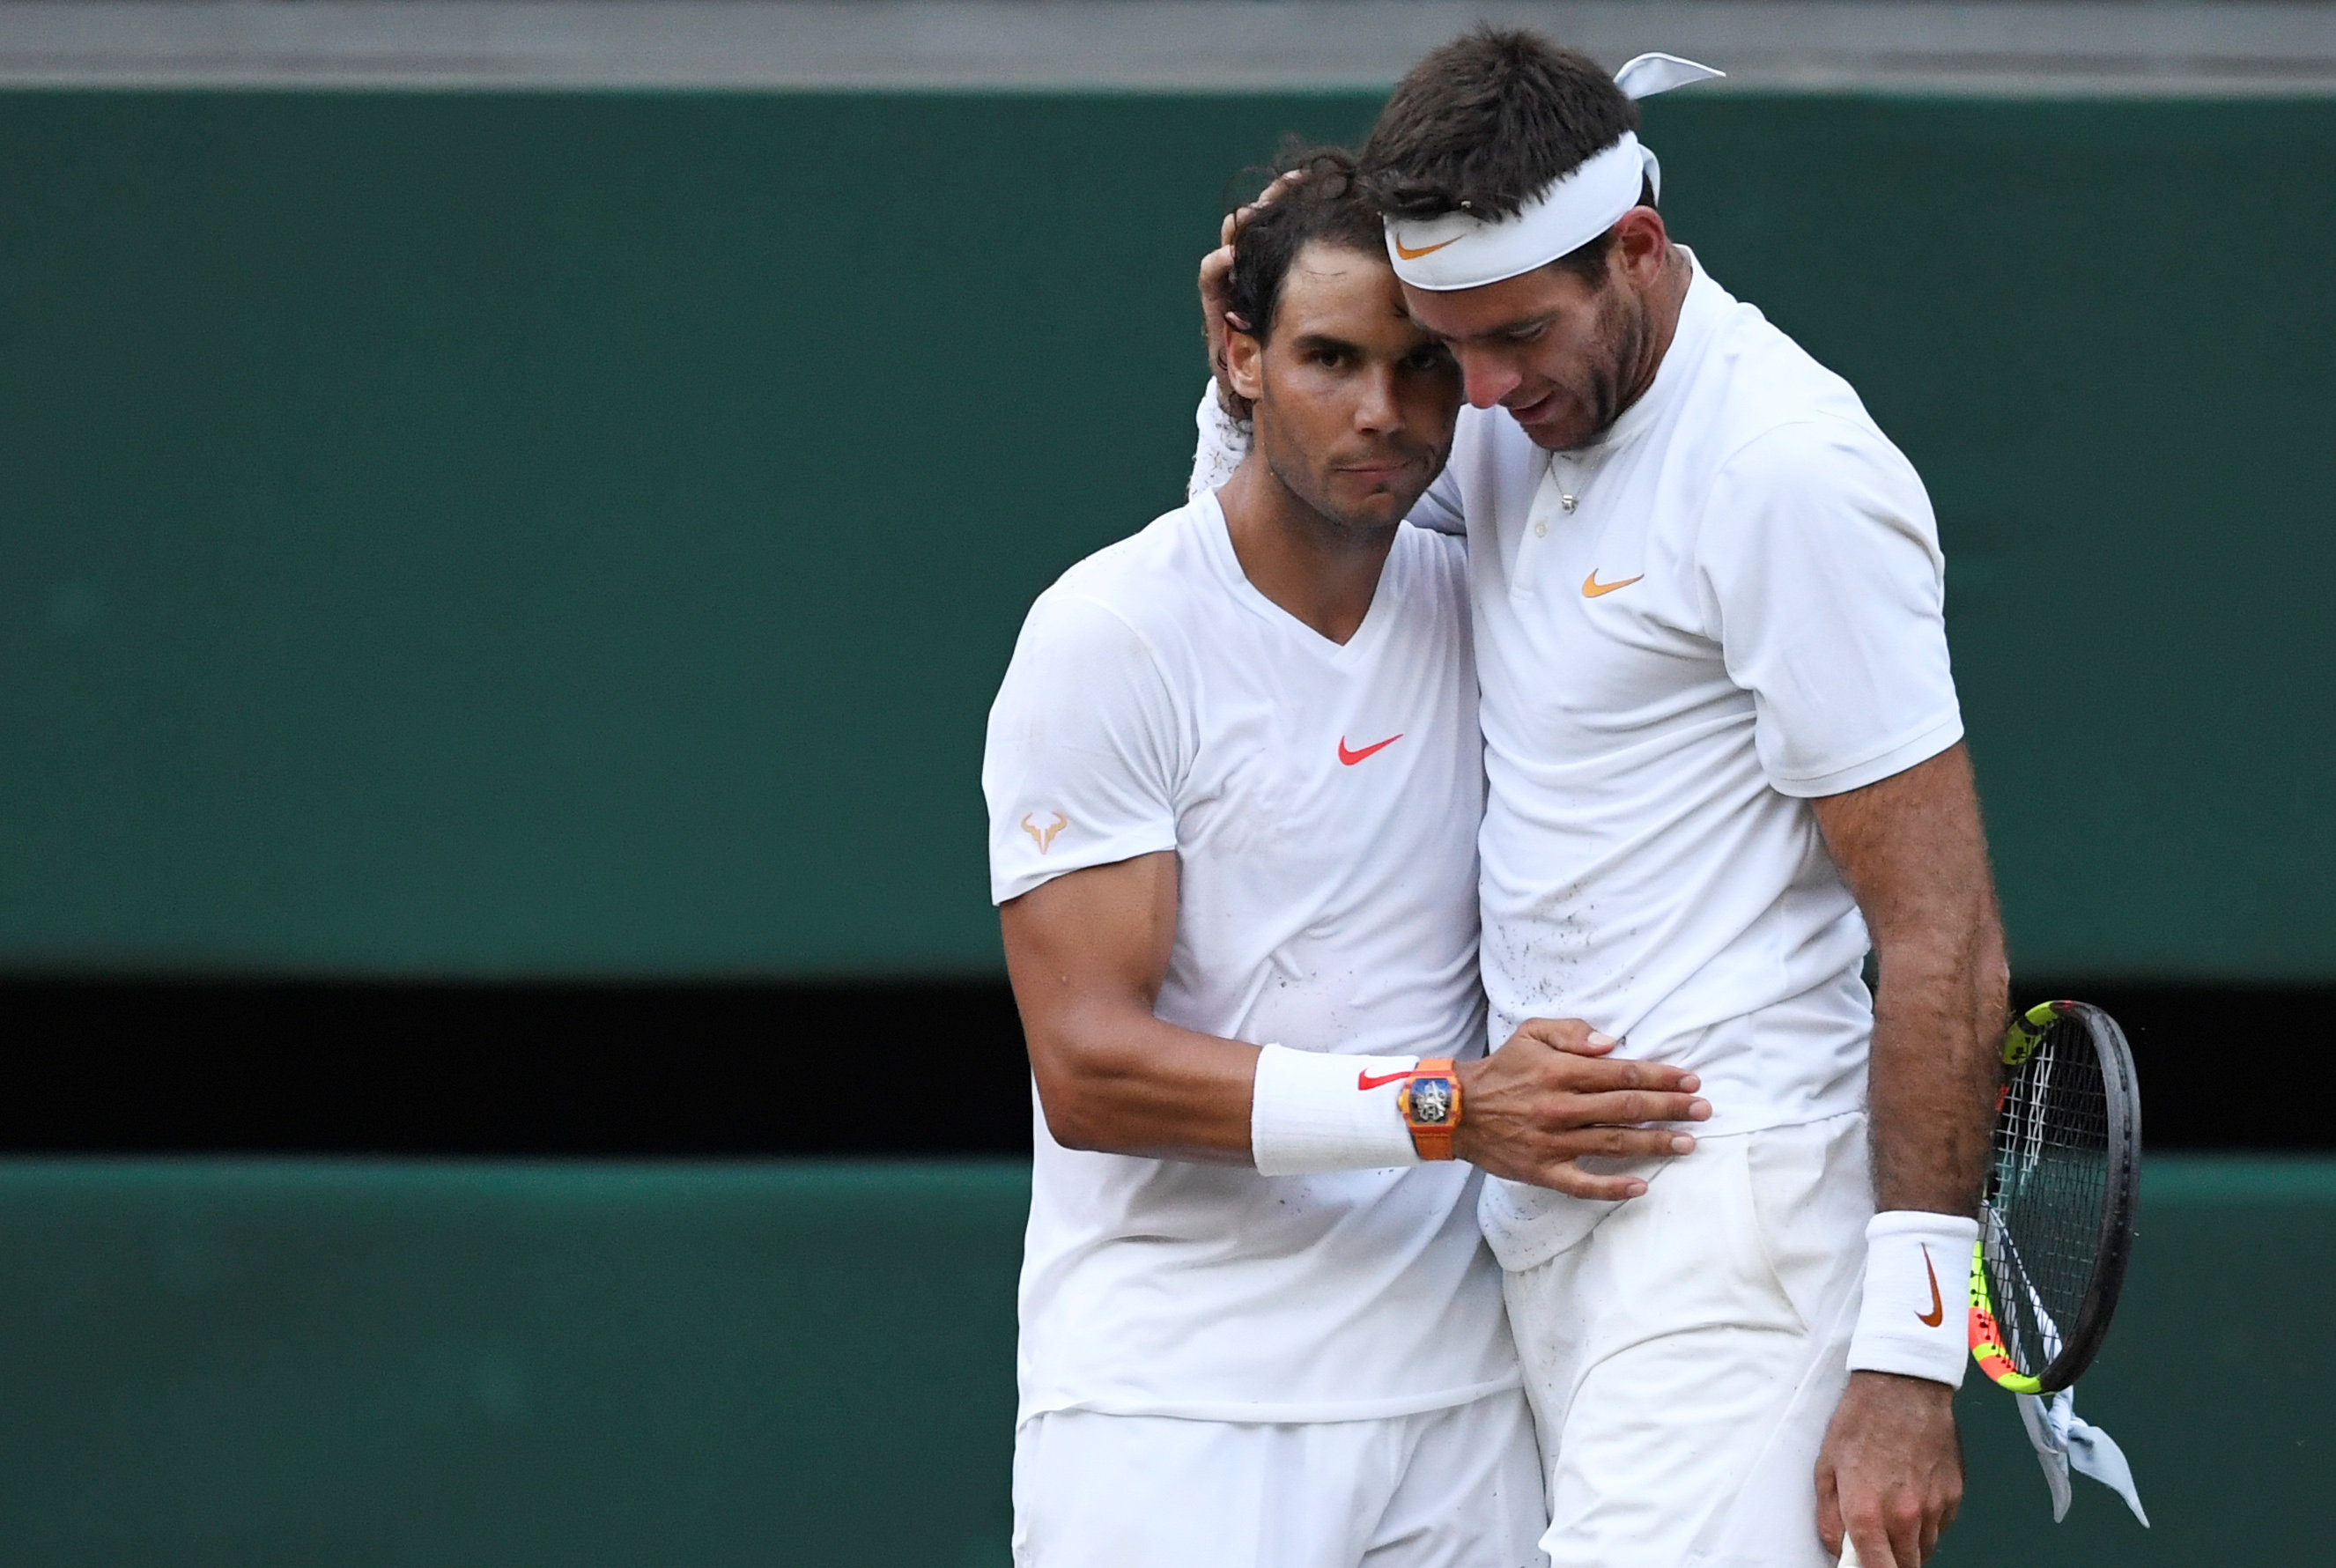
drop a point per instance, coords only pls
(1741, 608)
(1322, 802)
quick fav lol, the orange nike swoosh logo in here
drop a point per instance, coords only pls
(1365, 1081)
(1591, 588)
(1938, 1312)
(1351, 757)
(1408, 254)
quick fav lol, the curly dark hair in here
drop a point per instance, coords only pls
(1325, 202)
(1486, 123)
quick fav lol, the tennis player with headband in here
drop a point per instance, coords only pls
(1724, 757)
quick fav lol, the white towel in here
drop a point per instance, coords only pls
(2065, 1442)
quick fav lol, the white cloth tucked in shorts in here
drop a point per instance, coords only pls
(1458, 1487)
(1684, 1354)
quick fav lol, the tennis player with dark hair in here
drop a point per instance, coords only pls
(1234, 781)
(1725, 757)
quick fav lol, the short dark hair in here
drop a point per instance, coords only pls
(1486, 123)
(1324, 203)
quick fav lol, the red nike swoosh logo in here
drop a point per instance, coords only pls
(1365, 1081)
(1938, 1312)
(1351, 757)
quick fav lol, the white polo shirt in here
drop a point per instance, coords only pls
(1731, 603)
(1322, 802)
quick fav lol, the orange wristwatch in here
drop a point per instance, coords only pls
(1430, 1102)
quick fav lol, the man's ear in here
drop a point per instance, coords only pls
(1639, 243)
(1244, 359)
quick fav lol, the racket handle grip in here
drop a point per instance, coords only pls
(1849, 1557)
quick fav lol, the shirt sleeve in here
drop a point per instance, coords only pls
(1823, 580)
(1438, 509)
(1080, 769)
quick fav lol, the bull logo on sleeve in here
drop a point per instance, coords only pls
(1044, 837)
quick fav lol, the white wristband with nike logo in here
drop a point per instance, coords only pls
(1312, 1110)
(1915, 1318)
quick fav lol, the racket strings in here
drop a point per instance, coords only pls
(2050, 1182)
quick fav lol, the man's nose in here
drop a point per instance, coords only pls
(1378, 407)
(1486, 377)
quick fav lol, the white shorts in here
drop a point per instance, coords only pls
(1685, 1356)
(1453, 1488)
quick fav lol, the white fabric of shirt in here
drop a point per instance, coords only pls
(1743, 609)
(1157, 700)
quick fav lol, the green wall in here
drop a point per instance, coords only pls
(214, 1364)
(211, 1365)
(579, 535)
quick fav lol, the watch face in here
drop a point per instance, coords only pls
(1431, 1101)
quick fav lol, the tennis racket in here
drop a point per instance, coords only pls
(2056, 1227)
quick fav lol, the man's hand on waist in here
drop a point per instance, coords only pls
(1554, 1093)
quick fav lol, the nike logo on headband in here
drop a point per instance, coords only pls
(1408, 254)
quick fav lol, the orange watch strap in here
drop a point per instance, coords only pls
(1432, 1140)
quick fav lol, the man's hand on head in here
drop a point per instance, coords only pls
(1554, 1093)
(1891, 1470)
(1216, 274)
(1216, 271)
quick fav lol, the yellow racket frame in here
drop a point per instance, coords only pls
(1987, 1345)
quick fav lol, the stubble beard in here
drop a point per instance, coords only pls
(1298, 480)
(1623, 332)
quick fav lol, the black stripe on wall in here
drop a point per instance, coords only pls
(748, 1070)
(735, 1070)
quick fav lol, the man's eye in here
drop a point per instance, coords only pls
(1527, 334)
(1428, 359)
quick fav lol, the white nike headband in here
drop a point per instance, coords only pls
(1461, 251)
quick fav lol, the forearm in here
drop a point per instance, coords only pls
(1126, 1083)
(1914, 853)
(1087, 954)
(1938, 1026)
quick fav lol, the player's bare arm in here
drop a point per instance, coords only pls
(1913, 850)
(1087, 954)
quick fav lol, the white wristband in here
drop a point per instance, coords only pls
(1224, 441)
(1315, 1112)
(1915, 1318)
